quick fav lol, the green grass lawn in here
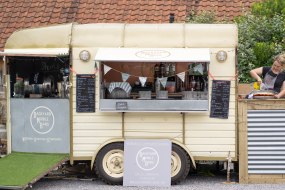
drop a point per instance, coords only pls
(18, 169)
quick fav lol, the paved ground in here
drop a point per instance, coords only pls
(206, 177)
(193, 182)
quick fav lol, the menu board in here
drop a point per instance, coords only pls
(85, 93)
(220, 99)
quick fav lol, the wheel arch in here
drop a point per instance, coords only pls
(117, 140)
(187, 151)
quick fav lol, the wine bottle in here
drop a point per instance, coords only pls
(193, 84)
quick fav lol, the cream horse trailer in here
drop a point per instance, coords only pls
(91, 87)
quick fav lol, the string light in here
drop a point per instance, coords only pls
(232, 78)
(137, 76)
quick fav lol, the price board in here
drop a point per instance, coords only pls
(85, 93)
(220, 99)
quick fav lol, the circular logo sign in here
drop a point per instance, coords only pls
(147, 158)
(42, 120)
(152, 54)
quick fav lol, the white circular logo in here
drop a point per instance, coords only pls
(147, 158)
(152, 54)
(42, 120)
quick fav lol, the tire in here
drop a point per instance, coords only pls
(180, 164)
(109, 164)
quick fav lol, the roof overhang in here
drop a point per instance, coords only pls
(153, 54)
(36, 52)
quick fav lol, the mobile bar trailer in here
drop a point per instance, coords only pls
(84, 89)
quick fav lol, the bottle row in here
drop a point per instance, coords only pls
(191, 83)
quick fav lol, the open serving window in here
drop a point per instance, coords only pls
(39, 77)
(38, 73)
(165, 79)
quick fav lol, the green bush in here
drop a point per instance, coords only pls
(260, 39)
(205, 17)
(263, 52)
(268, 8)
(261, 34)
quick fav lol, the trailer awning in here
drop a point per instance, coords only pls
(36, 52)
(153, 54)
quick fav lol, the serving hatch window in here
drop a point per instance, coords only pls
(155, 84)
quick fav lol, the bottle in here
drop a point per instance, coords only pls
(167, 70)
(188, 84)
(190, 69)
(202, 82)
(193, 84)
(198, 84)
(157, 86)
(206, 84)
(162, 70)
(156, 71)
(171, 69)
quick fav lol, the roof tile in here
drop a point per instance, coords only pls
(45, 12)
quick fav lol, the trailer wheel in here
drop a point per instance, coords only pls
(109, 164)
(180, 164)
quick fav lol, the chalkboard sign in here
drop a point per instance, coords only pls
(220, 99)
(85, 93)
